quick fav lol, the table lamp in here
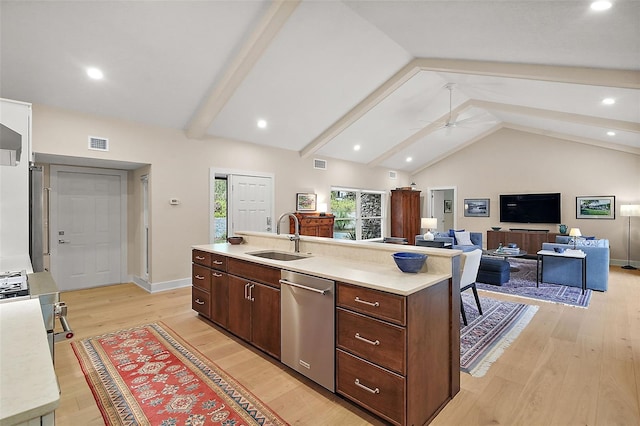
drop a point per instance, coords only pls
(428, 223)
(575, 232)
(629, 210)
(322, 208)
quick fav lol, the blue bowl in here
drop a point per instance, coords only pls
(409, 262)
(559, 249)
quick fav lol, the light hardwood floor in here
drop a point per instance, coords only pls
(570, 366)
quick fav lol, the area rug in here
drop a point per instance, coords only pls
(486, 336)
(522, 283)
(147, 375)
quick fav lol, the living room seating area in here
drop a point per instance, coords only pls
(558, 270)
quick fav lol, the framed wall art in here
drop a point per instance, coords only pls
(602, 207)
(448, 206)
(305, 202)
(476, 207)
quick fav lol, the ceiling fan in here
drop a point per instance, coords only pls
(452, 119)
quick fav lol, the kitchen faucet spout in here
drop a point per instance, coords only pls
(296, 237)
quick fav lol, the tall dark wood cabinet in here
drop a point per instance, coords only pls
(405, 214)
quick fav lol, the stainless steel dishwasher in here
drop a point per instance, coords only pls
(308, 326)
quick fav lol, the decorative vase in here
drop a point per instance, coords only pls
(563, 229)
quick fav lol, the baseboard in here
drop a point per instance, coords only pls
(162, 286)
(621, 262)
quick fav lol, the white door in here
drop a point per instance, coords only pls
(86, 227)
(251, 204)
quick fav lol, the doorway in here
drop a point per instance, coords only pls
(442, 205)
(88, 226)
(240, 201)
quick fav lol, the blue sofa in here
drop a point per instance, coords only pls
(476, 239)
(558, 270)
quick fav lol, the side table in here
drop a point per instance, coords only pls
(569, 254)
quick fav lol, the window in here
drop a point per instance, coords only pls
(220, 210)
(358, 213)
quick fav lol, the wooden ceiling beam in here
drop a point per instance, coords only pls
(252, 50)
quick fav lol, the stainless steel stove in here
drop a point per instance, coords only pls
(18, 285)
(13, 285)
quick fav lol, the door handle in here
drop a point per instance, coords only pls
(63, 242)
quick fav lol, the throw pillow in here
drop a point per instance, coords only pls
(463, 238)
(452, 232)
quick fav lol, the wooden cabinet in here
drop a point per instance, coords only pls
(389, 351)
(210, 296)
(254, 307)
(529, 241)
(405, 214)
(313, 224)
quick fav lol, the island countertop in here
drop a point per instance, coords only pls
(28, 384)
(368, 265)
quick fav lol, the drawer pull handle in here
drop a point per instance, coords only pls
(199, 302)
(198, 277)
(217, 262)
(375, 304)
(217, 275)
(199, 258)
(376, 390)
(371, 342)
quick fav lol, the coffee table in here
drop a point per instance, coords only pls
(504, 255)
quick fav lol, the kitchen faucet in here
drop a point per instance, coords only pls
(296, 237)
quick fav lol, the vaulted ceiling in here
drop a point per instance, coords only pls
(398, 79)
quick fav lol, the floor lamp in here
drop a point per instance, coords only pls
(629, 210)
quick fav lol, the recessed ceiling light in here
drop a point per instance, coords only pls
(608, 101)
(356, 147)
(409, 159)
(600, 5)
(262, 123)
(611, 133)
(95, 73)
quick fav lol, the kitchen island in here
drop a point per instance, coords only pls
(397, 341)
(28, 385)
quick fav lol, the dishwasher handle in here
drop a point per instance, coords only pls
(304, 287)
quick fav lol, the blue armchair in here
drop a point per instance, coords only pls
(559, 270)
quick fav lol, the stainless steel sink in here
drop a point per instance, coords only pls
(277, 255)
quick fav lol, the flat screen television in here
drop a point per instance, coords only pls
(530, 208)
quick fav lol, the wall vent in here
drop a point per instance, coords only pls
(98, 144)
(393, 175)
(319, 164)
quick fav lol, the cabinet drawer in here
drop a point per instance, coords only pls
(255, 272)
(201, 257)
(378, 390)
(201, 277)
(386, 306)
(201, 301)
(376, 341)
(219, 262)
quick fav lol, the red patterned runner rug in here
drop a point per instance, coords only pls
(148, 376)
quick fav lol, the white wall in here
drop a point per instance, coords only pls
(14, 184)
(179, 168)
(510, 161)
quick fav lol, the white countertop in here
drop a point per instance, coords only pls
(380, 276)
(28, 384)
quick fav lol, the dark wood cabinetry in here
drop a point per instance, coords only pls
(313, 224)
(242, 297)
(389, 351)
(210, 287)
(529, 241)
(405, 214)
